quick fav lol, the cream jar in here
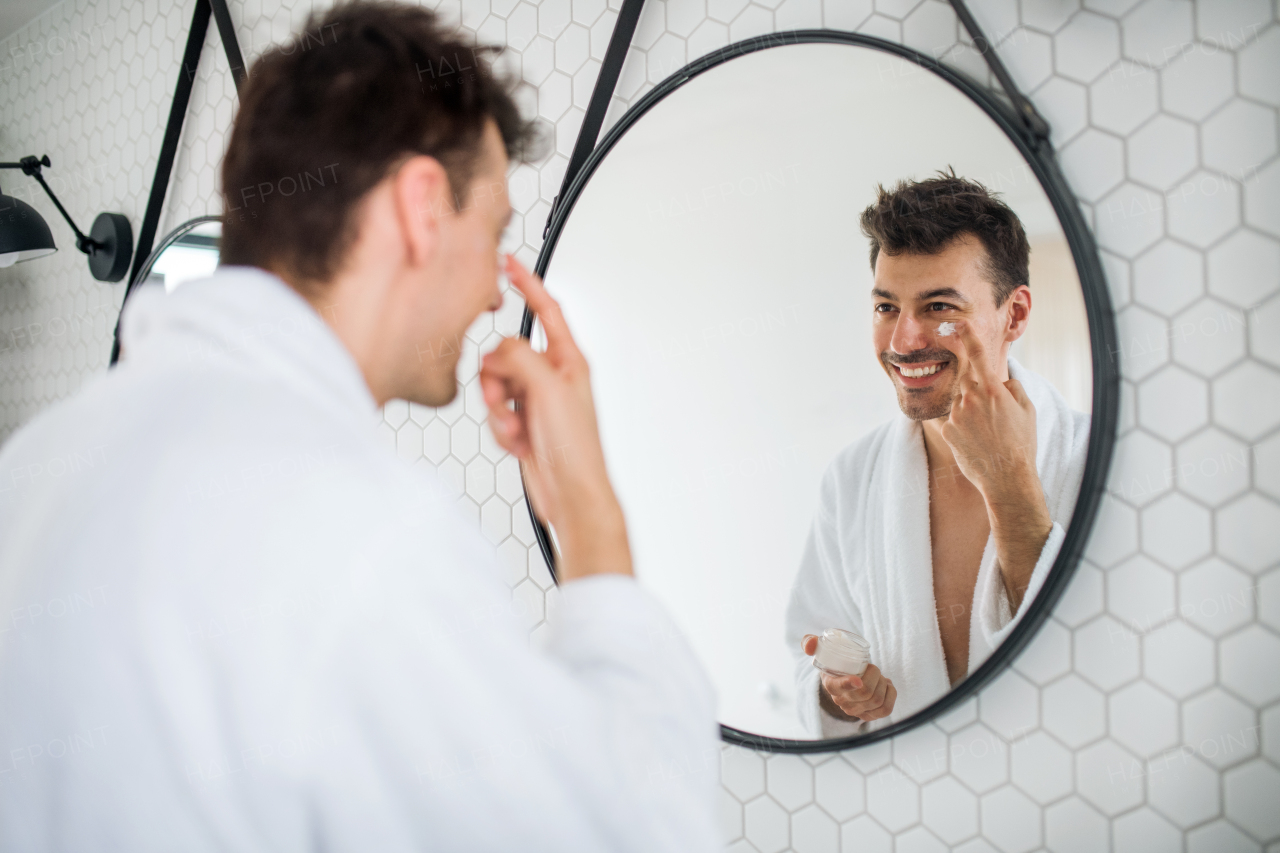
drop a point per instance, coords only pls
(841, 653)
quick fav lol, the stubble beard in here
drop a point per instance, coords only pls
(923, 404)
(439, 390)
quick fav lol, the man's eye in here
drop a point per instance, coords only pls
(940, 306)
(883, 308)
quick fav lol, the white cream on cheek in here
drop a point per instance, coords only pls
(946, 330)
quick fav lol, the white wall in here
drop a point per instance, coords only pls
(1146, 715)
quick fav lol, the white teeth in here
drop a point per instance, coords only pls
(920, 371)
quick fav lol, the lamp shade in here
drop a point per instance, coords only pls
(23, 232)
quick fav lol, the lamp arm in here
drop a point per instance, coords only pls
(31, 166)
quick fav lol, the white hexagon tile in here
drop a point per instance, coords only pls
(1146, 714)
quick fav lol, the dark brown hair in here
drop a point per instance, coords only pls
(924, 217)
(326, 116)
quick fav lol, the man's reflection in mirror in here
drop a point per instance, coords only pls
(935, 531)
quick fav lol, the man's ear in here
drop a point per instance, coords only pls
(422, 198)
(1019, 306)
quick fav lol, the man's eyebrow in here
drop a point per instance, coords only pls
(936, 293)
(942, 293)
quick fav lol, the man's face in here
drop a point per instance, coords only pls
(463, 274)
(912, 296)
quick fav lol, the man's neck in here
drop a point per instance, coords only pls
(938, 454)
(358, 321)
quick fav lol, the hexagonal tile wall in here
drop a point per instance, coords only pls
(1147, 712)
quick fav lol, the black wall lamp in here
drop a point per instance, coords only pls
(24, 235)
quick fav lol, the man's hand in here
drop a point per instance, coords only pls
(552, 430)
(992, 426)
(992, 432)
(852, 697)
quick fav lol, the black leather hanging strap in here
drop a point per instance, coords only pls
(173, 131)
(623, 29)
(230, 44)
(1034, 127)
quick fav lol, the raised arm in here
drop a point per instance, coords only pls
(541, 411)
(992, 432)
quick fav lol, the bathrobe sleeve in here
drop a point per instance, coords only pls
(994, 617)
(457, 734)
(820, 599)
(1062, 437)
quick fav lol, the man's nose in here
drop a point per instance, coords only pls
(909, 335)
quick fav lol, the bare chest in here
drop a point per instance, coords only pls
(958, 529)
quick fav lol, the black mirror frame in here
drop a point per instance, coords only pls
(144, 268)
(1035, 149)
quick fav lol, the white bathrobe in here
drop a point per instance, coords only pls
(230, 619)
(868, 564)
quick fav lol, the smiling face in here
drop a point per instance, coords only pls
(913, 295)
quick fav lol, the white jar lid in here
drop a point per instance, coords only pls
(842, 652)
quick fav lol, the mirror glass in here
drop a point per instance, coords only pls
(715, 275)
(189, 252)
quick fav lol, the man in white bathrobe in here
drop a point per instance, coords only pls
(231, 620)
(935, 531)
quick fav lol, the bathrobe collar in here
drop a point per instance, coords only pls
(915, 644)
(246, 318)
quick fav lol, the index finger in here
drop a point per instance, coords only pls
(978, 370)
(543, 306)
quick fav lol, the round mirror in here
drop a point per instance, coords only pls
(769, 396)
(188, 252)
